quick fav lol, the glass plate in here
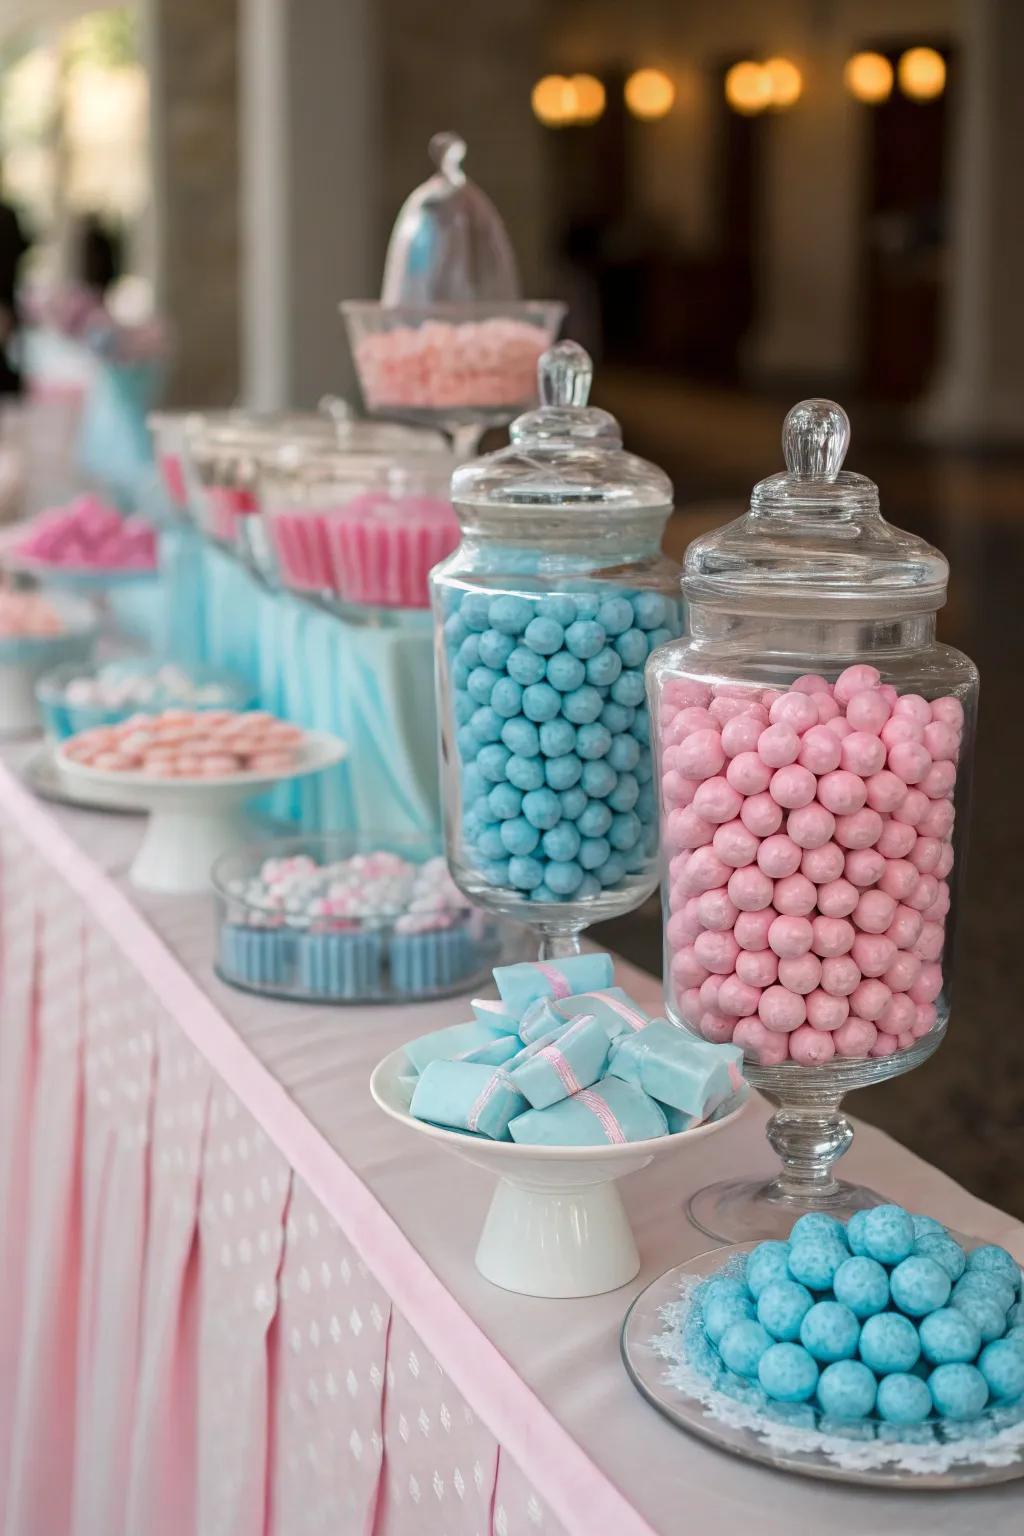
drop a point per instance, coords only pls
(807, 1452)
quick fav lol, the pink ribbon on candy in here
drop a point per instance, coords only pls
(559, 986)
(554, 1055)
(499, 1079)
(598, 1107)
(634, 1019)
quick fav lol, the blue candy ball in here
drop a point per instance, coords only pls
(629, 689)
(595, 818)
(862, 1285)
(782, 1307)
(624, 753)
(593, 852)
(616, 615)
(787, 1373)
(582, 705)
(465, 708)
(494, 648)
(949, 1337)
(489, 842)
(625, 831)
(525, 773)
(958, 1391)
(661, 637)
(644, 769)
(565, 672)
(855, 1233)
(542, 809)
(507, 698)
(1015, 1316)
(564, 879)
(617, 717)
(612, 871)
(650, 610)
(817, 1224)
(599, 779)
(742, 1345)
(944, 1251)
(919, 1286)
(829, 1331)
(468, 743)
(486, 724)
(923, 1224)
(903, 1399)
(541, 702)
(584, 638)
(519, 837)
(888, 1234)
(561, 843)
(469, 651)
(563, 773)
(604, 668)
(495, 871)
(889, 1343)
(474, 610)
(504, 802)
(455, 630)
(721, 1309)
(725, 1285)
(847, 1390)
(508, 614)
(625, 794)
(984, 1283)
(521, 736)
(587, 604)
(545, 636)
(561, 609)
(990, 1259)
(480, 684)
(492, 761)
(1002, 1365)
(525, 666)
(573, 801)
(593, 741)
(765, 1265)
(814, 1258)
(525, 873)
(556, 738)
(632, 647)
(984, 1311)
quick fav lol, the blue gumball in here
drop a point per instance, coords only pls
(525, 666)
(629, 689)
(888, 1234)
(467, 742)
(541, 702)
(612, 871)
(593, 852)
(615, 615)
(573, 801)
(582, 706)
(660, 637)
(492, 761)
(460, 675)
(494, 649)
(464, 708)
(640, 725)
(486, 724)
(507, 698)
(561, 609)
(990, 1259)
(624, 753)
(632, 647)
(599, 779)
(564, 879)
(584, 638)
(986, 1283)
(919, 1286)
(787, 1373)
(545, 636)
(489, 842)
(742, 1345)
(625, 794)
(984, 1311)
(829, 1331)
(817, 1224)
(474, 610)
(923, 1224)
(588, 888)
(959, 1392)
(508, 614)
(617, 717)
(595, 818)
(481, 684)
(1002, 1365)
(903, 1399)
(495, 871)
(765, 1265)
(565, 672)
(603, 669)
(650, 610)
(625, 831)
(944, 1250)
(721, 1309)
(542, 809)
(525, 873)
(542, 892)
(469, 651)
(889, 1343)
(455, 630)
(562, 773)
(561, 843)
(855, 1234)
(521, 736)
(949, 1337)
(557, 737)
(782, 1307)
(594, 741)
(862, 1285)
(504, 802)
(519, 837)
(526, 773)
(847, 1390)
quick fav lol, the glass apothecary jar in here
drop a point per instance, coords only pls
(814, 745)
(544, 619)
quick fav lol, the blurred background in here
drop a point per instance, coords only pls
(743, 203)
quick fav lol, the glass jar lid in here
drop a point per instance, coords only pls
(227, 447)
(565, 453)
(449, 244)
(814, 535)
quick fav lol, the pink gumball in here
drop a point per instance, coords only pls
(778, 746)
(682, 691)
(837, 898)
(885, 1045)
(800, 973)
(705, 872)
(912, 808)
(873, 953)
(686, 829)
(810, 826)
(840, 727)
(839, 975)
(924, 1023)
(868, 711)
(854, 680)
(820, 750)
(950, 711)
(676, 792)
(780, 1010)
(716, 800)
(761, 815)
(911, 706)
(938, 781)
(905, 928)
(924, 893)
(864, 867)
(832, 936)
(874, 912)
(778, 855)
(930, 942)
(737, 998)
(790, 936)
(795, 896)
(827, 707)
(767, 696)
(897, 1015)
(925, 854)
(928, 985)
(861, 829)
(795, 710)
(687, 970)
(870, 998)
(855, 1038)
(760, 1044)
(823, 865)
(701, 755)
(901, 729)
(724, 709)
(862, 754)
(945, 863)
(696, 717)
(825, 1011)
(688, 1004)
(811, 1047)
(716, 1027)
(811, 683)
(898, 878)
(910, 761)
(793, 786)
(736, 846)
(741, 734)
(748, 773)
(885, 791)
(942, 742)
(680, 930)
(708, 993)
(750, 889)
(759, 968)
(903, 972)
(841, 792)
(751, 930)
(896, 839)
(937, 820)
(716, 952)
(940, 906)
(716, 911)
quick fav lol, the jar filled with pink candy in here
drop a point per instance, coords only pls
(814, 743)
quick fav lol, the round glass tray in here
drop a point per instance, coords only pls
(652, 1352)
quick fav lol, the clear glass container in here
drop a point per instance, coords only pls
(347, 918)
(359, 530)
(450, 343)
(814, 746)
(544, 618)
(170, 431)
(79, 696)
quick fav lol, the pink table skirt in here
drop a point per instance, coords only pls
(235, 1300)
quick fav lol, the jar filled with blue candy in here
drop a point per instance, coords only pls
(545, 616)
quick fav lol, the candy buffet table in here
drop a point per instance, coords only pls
(237, 1299)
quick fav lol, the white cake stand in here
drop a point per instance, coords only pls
(193, 821)
(556, 1224)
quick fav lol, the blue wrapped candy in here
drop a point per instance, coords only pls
(523, 984)
(489, 1010)
(611, 1112)
(573, 1060)
(611, 1005)
(456, 1040)
(468, 1097)
(672, 1066)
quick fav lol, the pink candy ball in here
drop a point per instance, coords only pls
(738, 998)
(795, 895)
(909, 760)
(686, 829)
(837, 898)
(761, 815)
(945, 863)
(928, 985)
(885, 1045)
(793, 786)
(825, 1011)
(687, 970)
(912, 808)
(868, 711)
(839, 975)
(937, 820)
(795, 710)
(873, 952)
(704, 872)
(901, 729)
(864, 866)
(925, 1020)
(911, 706)
(905, 928)
(688, 1003)
(823, 865)
(750, 889)
(760, 1044)
(950, 711)
(884, 791)
(862, 754)
(854, 680)
(716, 952)
(925, 854)
(896, 839)
(874, 912)
(708, 993)
(715, 910)
(778, 855)
(736, 846)
(789, 936)
(701, 755)
(870, 998)
(680, 929)
(751, 930)
(780, 1010)
(800, 973)
(831, 936)
(898, 1015)
(861, 829)
(939, 780)
(811, 1047)
(778, 746)
(810, 682)
(903, 972)
(741, 734)
(842, 792)
(748, 773)
(855, 1038)
(760, 968)
(716, 800)
(941, 741)
(828, 709)
(820, 750)
(924, 893)
(930, 944)
(898, 878)
(810, 826)
(716, 1027)
(723, 709)
(676, 791)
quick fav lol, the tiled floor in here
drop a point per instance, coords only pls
(964, 1110)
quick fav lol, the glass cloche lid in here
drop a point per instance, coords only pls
(565, 453)
(814, 534)
(228, 446)
(449, 244)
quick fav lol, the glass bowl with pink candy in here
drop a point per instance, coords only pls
(814, 745)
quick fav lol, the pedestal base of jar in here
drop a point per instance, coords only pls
(564, 1241)
(809, 1133)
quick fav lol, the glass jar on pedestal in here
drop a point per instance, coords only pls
(814, 747)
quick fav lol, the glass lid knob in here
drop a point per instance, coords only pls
(448, 150)
(815, 437)
(564, 374)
